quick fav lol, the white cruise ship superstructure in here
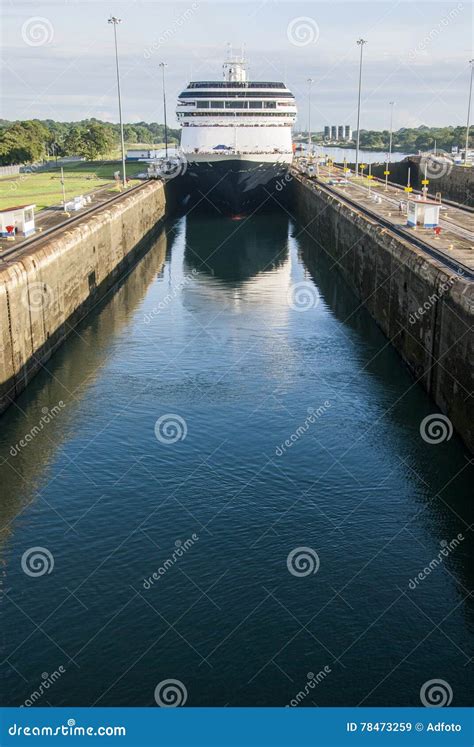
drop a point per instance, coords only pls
(236, 137)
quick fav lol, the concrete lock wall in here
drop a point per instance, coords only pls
(50, 288)
(426, 311)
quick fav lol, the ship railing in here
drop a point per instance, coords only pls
(238, 152)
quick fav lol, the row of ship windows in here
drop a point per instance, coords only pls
(234, 94)
(238, 114)
(237, 104)
(234, 84)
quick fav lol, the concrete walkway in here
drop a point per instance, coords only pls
(457, 226)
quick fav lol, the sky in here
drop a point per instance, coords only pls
(58, 57)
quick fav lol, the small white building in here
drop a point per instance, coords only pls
(17, 220)
(138, 155)
(422, 212)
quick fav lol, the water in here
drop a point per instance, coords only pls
(201, 332)
(367, 156)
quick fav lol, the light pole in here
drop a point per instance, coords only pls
(392, 103)
(361, 43)
(163, 65)
(64, 189)
(115, 21)
(310, 82)
(471, 62)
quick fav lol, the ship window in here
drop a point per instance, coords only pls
(269, 104)
(255, 104)
(202, 104)
(236, 105)
(217, 104)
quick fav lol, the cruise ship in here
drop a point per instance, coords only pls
(236, 138)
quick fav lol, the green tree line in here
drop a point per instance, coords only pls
(33, 140)
(413, 139)
(407, 139)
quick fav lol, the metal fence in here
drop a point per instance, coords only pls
(9, 170)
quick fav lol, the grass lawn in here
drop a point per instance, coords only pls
(44, 187)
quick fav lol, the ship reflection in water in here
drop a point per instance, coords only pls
(237, 252)
(205, 335)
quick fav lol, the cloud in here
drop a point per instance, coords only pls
(404, 60)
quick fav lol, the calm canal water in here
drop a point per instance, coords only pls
(339, 154)
(228, 406)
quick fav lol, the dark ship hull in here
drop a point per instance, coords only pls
(236, 186)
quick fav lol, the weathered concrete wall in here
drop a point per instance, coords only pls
(426, 311)
(53, 285)
(456, 184)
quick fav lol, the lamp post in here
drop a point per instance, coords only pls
(115, 21)
(163, 65)
(361, 43)
(392, 103)
(471, 62)
(310, 82)
(63, 189)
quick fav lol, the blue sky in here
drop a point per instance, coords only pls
(58, 57)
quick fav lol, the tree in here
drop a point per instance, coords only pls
(74, 141)
(89, 141)
(23, 142)
(97, 140)
(130, 134)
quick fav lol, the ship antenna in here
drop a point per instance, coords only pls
(228, 46)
